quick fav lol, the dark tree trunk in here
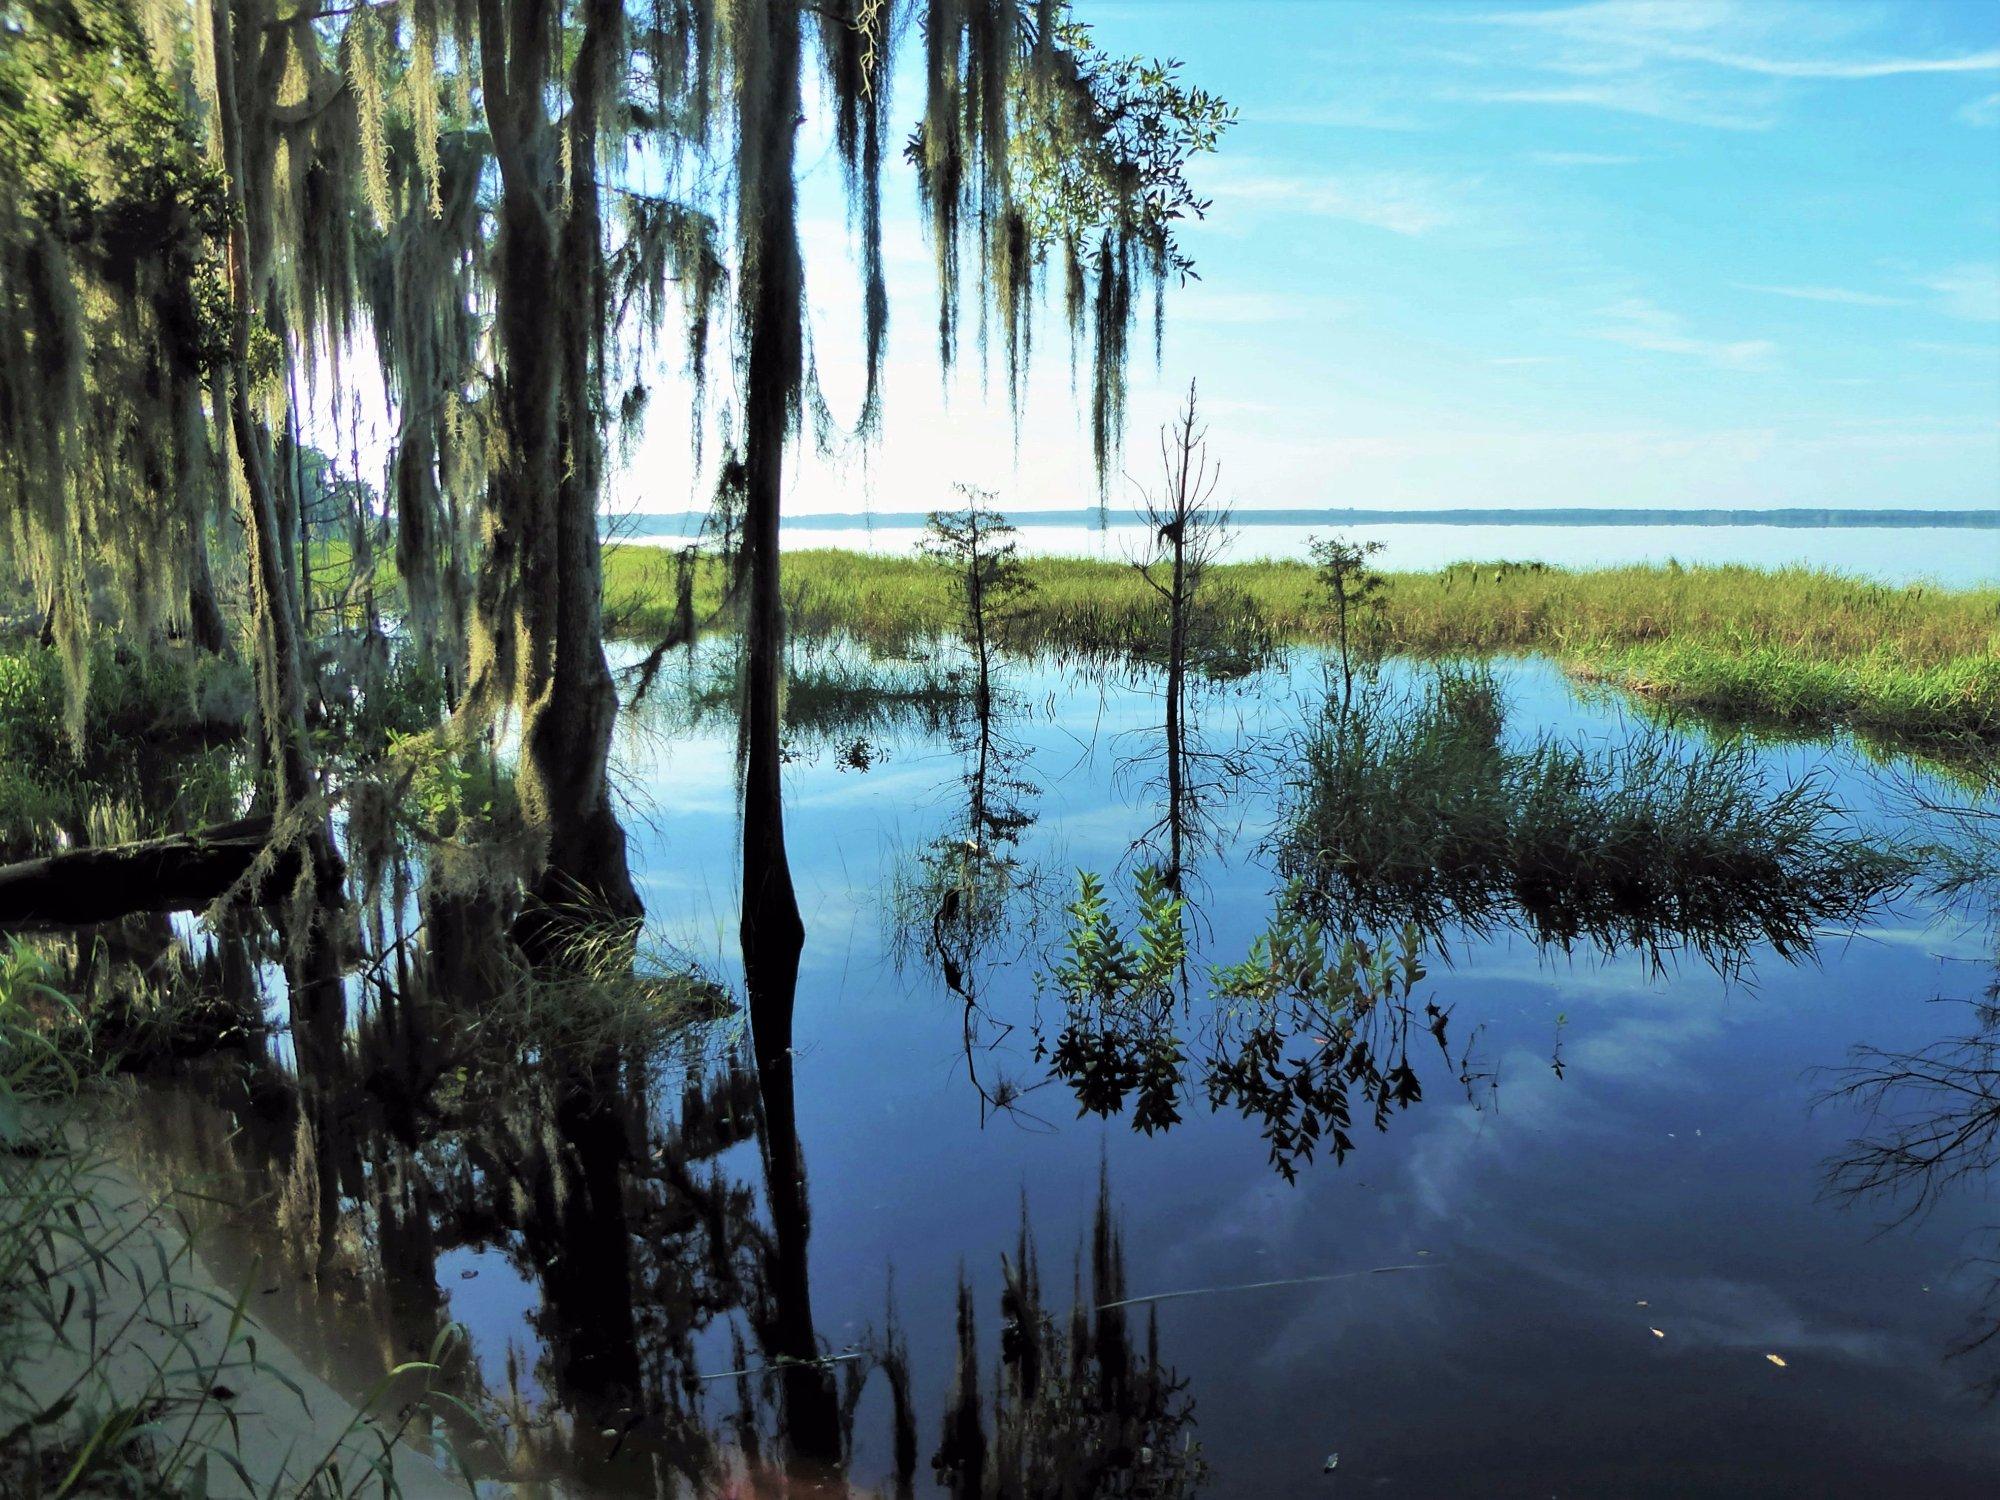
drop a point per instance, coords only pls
(206, 627)
(569, 729)
(182, 873)
(772, 931)
(541, 596)
(312, 960)
(790, 1338)
(1176, 690)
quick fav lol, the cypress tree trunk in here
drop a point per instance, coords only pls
(569, 728)
(772, 931)
(811, 1413)
(541, 592)
(206, 627)
(312, 960)
(1176, 690)
(280, 674)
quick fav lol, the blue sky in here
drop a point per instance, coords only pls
(1691, 252)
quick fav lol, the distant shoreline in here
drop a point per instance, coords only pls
(685, 523)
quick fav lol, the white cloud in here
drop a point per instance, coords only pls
(1651, 98)
(1704, 33)
(1345, 114)
(1771, 67)
(1699, 62)
(1828, 294)
(1971, 292)
(1407, 203)
(1580, 159)
(1982, 113)
(1639, 324)
(1198, 304)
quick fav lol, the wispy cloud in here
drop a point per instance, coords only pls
(1639, 324)
(1702, 62)
(1886, 67)
(1984, 352)
(1982, 113)
(1971, 292)
(1201, 304)
(1345, 114)
(1828, 294)
(1522, 359)
(1688, 31)
(1581, 159)
(1651, 98)
(1406, 203)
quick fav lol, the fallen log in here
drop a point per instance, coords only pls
(183, 872)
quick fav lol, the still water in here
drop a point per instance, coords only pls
(1587, 1246)
(1955, 556)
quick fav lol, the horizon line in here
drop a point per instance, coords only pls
(1096, 518)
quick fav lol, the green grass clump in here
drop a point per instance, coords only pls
(1880, 692)
(1418, 811)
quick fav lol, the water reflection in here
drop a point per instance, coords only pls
(1411, 825)
(651, 1221)
(674, 1246)
(1933, 1131)
(1420, 811)
(957, 899)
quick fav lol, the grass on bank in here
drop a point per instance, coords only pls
(1916, 663)
(1791, 645)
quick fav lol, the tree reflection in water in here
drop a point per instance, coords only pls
(675, 1349)
(1412, 826)
(1932, 1129)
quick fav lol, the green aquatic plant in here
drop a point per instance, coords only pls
(1307, 1017)
(1285, 1036)
(1120, 995)
(1418, 810)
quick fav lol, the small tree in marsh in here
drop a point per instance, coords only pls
(1356, 590)
(1184, 535)
(977, 547)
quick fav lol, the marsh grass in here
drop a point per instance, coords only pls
(1793, 644)
(615, 991)
(1881, 694)
(1417, 810)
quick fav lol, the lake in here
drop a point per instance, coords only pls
(1595, 1247)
